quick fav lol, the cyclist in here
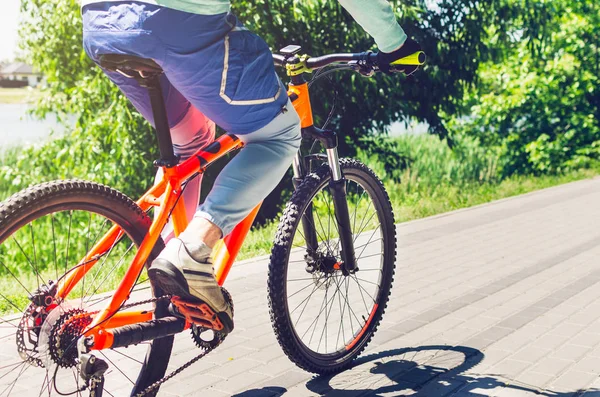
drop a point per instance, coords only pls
(216, 71)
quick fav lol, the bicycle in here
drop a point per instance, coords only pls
(339, 217)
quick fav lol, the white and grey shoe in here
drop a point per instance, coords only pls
(187, 272)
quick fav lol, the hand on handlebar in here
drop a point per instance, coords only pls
(406, 59)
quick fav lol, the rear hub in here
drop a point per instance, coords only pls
(64, 335)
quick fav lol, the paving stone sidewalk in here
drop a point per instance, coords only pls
(495, 300)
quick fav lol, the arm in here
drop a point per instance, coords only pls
(377, 18)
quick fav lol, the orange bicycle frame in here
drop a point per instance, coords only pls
(166, 196)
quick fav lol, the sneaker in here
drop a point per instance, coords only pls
(188, 274)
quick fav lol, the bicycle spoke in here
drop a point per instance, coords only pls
(87, 249)
(315, 321)
(68, 241)
(371, 242)
(305, 300)
(2, 321)
(100, 267)
(15, 277)
(11, 365)
(348, 304)
(300, 290)
(366, 281)
(33, 246)
(46, 385)
(125, 355)
(362, 221)
(322, 228)
(365, 226)
(342, 310)
(14, 382)
(328, 217)
(117, 367)
(368, 242)
(366, 292)
(316, 231)
(11, 302)
(99, 300)
(54, 244)
(327, 313)
(28, 260)
(112, 270)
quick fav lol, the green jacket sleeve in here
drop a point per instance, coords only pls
(377, 18)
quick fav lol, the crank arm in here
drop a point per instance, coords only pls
(134, 334)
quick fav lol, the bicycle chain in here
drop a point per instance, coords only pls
(160, 382)
(205, 351)
(177, 371)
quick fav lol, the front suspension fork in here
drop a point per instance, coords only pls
(338, 191)
(342, 215)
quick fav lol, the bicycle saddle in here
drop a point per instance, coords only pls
(129, 65)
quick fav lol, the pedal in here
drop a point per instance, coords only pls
(198, 313)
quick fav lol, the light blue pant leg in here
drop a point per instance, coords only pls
(254, 172)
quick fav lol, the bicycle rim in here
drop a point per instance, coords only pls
(331, 315)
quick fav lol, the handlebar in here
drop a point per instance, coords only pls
(322, 61)
(363, 62)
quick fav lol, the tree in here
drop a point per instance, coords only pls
(541, 105)
(112, 144)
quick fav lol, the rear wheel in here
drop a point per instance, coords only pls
(322, 316)
(45, 231)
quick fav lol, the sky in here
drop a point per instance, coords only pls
(9, 24)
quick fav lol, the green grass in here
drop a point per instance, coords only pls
(438, 180)
(18, 95)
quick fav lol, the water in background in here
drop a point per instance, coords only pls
(18, 128)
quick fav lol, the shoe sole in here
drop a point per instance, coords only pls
(170, 279)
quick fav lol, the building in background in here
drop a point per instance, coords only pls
(19, 74)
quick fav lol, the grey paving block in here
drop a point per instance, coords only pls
(510, 368)
(550, 341)
(286, 380)
(241, 382)
(233, 368)
(532, 354)
(571, 352)
(574, 381)
(551, 366)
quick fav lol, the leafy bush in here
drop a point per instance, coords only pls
(541, 106)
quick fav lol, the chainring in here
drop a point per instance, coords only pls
(199, 333)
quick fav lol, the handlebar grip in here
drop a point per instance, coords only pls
(416, 59)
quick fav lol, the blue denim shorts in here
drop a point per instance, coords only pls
(210, 61)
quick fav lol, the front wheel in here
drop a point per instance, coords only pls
(322, 316)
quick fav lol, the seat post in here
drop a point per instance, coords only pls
(161, 122)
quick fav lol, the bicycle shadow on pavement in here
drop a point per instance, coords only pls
(432, 371)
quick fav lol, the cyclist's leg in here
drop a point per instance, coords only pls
(253, 173)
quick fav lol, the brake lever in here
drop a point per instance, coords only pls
(363, 68)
